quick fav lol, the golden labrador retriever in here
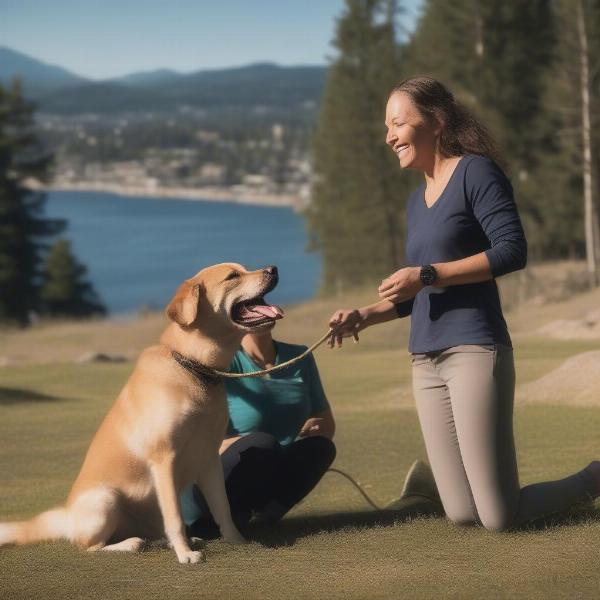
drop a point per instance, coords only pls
(164, 430)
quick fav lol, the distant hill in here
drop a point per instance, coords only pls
(148, 78)
(38, 78)
(258, 86)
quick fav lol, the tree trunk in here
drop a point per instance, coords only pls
(590, 214)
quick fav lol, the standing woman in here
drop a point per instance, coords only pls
(463, 231)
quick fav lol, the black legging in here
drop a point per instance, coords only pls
(259, 471)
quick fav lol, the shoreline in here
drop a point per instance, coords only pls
(207, 194)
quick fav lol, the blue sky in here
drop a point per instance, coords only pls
(106, 38)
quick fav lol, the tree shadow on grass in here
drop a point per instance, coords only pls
(10, 396)
(290, 529)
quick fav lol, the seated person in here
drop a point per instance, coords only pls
(279, 440)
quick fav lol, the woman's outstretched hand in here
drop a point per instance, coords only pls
(345, 323)
(401, 285)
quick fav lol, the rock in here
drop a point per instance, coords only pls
(100, 357)
(586, 328)
(593, 317)
(576, 382)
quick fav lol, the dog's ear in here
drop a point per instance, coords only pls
(183, 308)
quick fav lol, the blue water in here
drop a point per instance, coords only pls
(138, 250)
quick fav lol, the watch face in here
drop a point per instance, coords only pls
(427, 275)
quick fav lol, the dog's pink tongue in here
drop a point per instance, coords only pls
(267, 310)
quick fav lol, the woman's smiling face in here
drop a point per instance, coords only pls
(411, 136)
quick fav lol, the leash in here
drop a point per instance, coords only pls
(357, 486)
(213, 375)
(198, 368)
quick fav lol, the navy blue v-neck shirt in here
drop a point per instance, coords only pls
(476, 212)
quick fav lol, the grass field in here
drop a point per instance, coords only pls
(332, 545)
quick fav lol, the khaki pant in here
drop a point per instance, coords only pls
(464, 397)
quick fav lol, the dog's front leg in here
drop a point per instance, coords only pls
(163, 473)
(212, 485)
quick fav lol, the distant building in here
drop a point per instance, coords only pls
(211, 174)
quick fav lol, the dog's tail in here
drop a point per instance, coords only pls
(50, 525)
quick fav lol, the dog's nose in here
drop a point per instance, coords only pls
(271, 271)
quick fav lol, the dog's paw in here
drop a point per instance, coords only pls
(191, 557)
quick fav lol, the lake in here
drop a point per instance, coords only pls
(138, 250)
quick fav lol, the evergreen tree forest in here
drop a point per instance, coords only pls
(65, 290)
(529, 69)
(26, 233)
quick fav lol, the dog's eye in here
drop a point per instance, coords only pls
(232, 275)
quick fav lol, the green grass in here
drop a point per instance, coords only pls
(331, 546)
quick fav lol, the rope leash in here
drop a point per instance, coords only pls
(357, 486)
(215, 373)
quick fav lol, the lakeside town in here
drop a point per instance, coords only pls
(178, 158)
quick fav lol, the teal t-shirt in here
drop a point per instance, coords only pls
(279, 403)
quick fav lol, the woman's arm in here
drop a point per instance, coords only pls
(404, 282)
(472, 269)
(321, 423)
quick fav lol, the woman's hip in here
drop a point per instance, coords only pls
(470, 370)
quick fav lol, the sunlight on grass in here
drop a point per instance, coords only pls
(329, 546)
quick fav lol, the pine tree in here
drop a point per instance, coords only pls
(356, 215)
(23, 226)
(448, 44)
(518, 54)
(572, 157)
(65, 290)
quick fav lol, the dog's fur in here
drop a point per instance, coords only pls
(162, 433)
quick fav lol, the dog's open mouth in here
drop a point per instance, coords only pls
(251, 313)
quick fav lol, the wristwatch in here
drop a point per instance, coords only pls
(428, 275)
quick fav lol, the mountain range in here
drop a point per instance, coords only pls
(59, 91)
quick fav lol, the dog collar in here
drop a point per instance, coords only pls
(198, 370)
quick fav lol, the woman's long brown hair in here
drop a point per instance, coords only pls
(462, 133)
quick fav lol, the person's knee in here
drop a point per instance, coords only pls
(262, 440)
(497, 522)
(460, 513)
(262, 453)
(254, 451)
(461, 519)
(321, 448)
(327, 448)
